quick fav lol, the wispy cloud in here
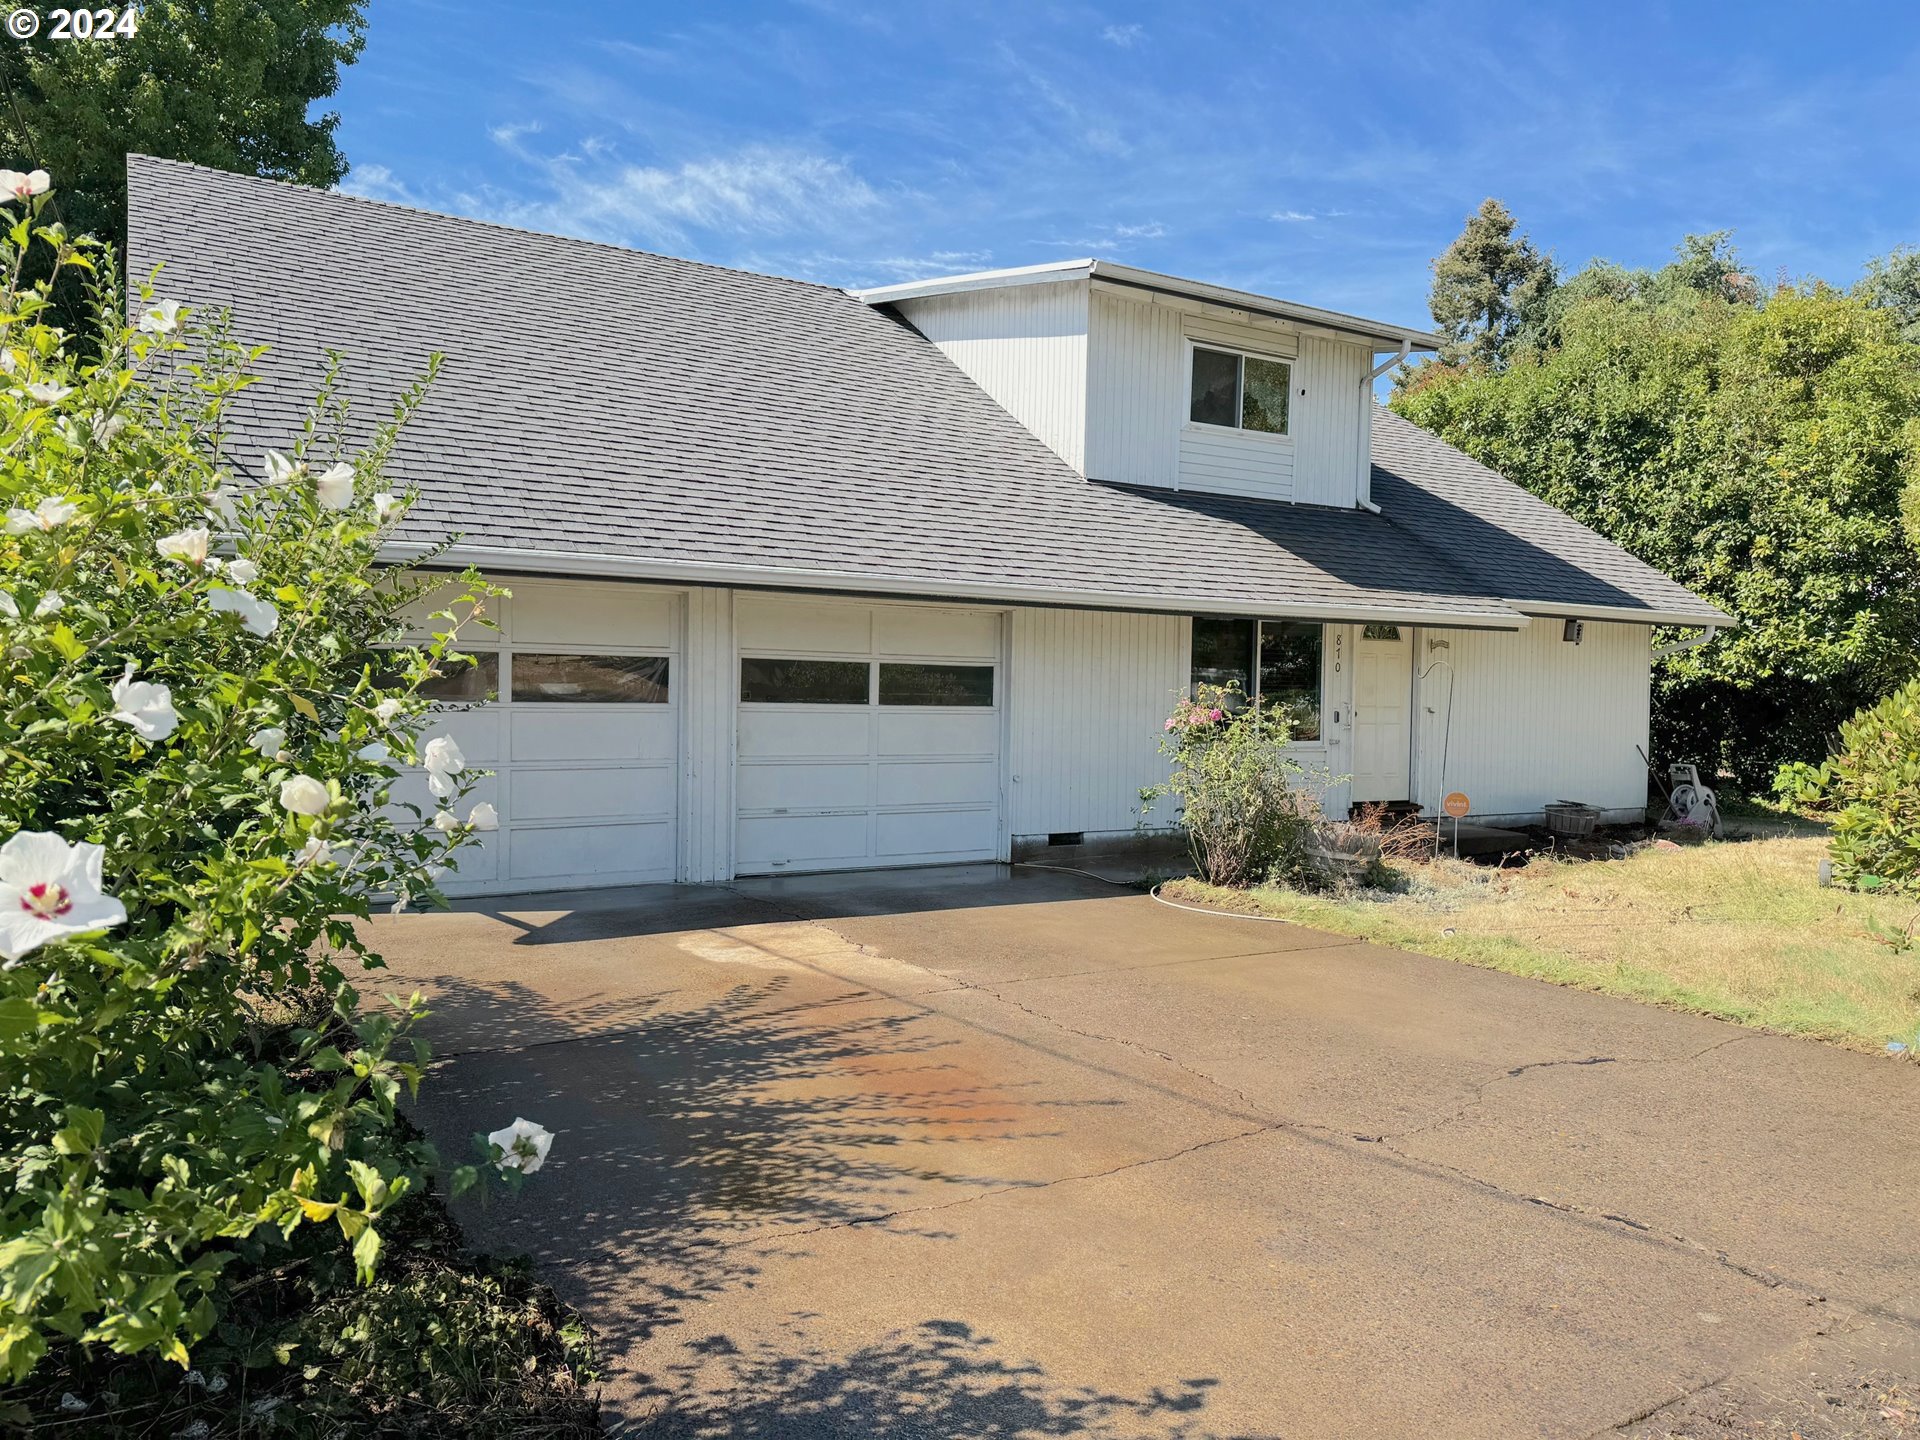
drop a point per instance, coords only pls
(377, 182)
(1107, 239)
(1292, 217)
(859, 272)
(1125, 36)
(756, 190)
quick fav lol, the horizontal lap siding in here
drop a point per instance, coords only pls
(1535, 719)
(1090, 691)
(1226, 462)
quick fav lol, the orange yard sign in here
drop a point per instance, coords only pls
(1456, 804)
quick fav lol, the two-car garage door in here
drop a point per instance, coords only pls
(869, 735)
(864, 736)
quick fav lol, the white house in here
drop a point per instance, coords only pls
(810, 580)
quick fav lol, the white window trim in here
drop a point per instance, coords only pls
(1264, 437)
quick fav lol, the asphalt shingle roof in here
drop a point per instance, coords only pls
(606, 405)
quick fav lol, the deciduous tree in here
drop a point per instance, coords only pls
(225, 83)
(1756, 451)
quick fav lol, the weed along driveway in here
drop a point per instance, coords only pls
(972, 1152)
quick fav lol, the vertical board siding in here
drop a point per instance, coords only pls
(1327, 462)
(1535, 719)
(1026, 346)
(1090, 691)
(1136, 380)
(709, 675)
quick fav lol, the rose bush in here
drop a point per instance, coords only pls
(1249, 809)
(203, 711)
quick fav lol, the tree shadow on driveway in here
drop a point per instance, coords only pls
(709, 1134)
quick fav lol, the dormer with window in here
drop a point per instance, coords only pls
(1141, 379)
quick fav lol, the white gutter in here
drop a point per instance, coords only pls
(507, 559)
(1406, 349)
(1633, 615)
(978, 280)
(1694, 644)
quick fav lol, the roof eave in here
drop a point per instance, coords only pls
(1129, 276)
(1631, 614)
(1266, 305)
(1488, 614)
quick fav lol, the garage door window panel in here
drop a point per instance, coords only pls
(590, 679)
(968, 686)
(774, 681)
(469, 680)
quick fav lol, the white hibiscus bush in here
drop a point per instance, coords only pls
(204, 706)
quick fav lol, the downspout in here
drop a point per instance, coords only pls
(1661, 651)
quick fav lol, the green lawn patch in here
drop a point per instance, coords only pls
(1741, 930)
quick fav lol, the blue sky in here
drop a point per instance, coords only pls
(1320, 153)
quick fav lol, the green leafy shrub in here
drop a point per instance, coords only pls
(1801, 786)
(441, 1342)
(1875, 782)
(1249, 810)
(196, 749)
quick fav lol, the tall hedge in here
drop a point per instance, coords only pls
(1756, 449)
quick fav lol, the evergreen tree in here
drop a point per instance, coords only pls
(1489, 287)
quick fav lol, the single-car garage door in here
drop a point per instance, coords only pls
(869, 735)
(583, 737)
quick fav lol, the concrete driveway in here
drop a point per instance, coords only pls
(979, 1152)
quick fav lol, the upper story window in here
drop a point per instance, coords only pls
(1238, 391)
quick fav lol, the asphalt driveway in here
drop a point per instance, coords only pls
(979, 1152)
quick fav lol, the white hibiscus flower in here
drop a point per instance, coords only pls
(49, 514)
(315, 852)
(387, 507)
(523, 1146)
(334, 489)
(304, 795)
(46, 392)
(484, 817)
(147, 707)
(242, 572)
(25, 186)
(443, 761)
(162, 319)
(188, 547)
(269, 740)
(280, 468)
(256, 614)
(49, 890)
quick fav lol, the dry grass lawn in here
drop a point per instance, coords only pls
(1739, 929)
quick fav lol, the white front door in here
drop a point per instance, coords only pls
(1382, 707)
(869, 735)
